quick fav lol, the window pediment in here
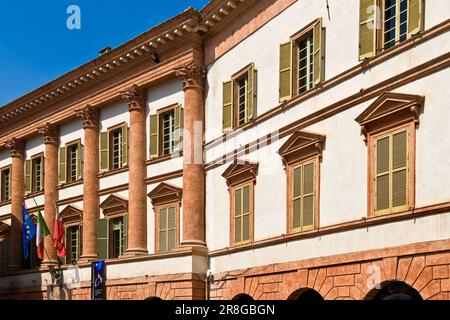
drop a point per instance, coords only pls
(165, 193)
(390, 108)
(301, 145)
(71, 214)
(240, 171)
(114, 204)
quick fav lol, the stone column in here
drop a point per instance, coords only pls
(193, 76)
(50, 133)
(17, 150)
(90, 117)
(136, 98)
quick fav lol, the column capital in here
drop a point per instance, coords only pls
(50, 133)
(193, 74)
(16, 147)
(90, 116)
(135, 97)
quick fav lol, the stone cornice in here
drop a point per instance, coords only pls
(16, 147)
(135, 97)
(89, 116)
(50, 133)
(192, 74)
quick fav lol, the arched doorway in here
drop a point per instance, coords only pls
(306, 295)
(396, 290)
(243, 297)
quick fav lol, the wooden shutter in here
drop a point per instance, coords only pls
(104, 151)
(367, 28)
(382, 170)
(80, 154)
(415, 16)
(42, 175)
(162, 229)
(154, 138)
(227, 106)
(65, 260)
(125, 232)
(125, 136)
(10, 183)
(318, 52)
(62, 165)
(102, 239)
(178, 128)
(285, 89)
(237, 215)
(172, 226)
(246, 213)
(297, 200)
(27, 176)
(251, 92)
(308, 196)
(399, 169)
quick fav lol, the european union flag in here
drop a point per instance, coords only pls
(28, 232)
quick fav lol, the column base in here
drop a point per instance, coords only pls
(193, 243)
(135, 252)
(49, 263)
(86, 259)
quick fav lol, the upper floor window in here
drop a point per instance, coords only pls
(112, 230)
(390, 125)
(166, 200)
(70, 162)
(71, 217)
(5, 234)
(34, 174)
(5, 184)
(165, 131)
(301, 155)
(114, 148)
(239, 98)
(241, 179)
(301, 61)
(385, 23)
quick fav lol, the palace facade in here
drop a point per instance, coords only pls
(255, 149)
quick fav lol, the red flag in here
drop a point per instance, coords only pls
(59, 238)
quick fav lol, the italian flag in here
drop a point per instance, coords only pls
(41, 232)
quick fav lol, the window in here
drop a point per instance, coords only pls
(389, 125)
(34, 174)
(165, 131)
(70, 162)
(386, 23)
(73, 244)
(241, 179)
(239, 98)
(302, 61)
(114, 148)
(5, 184)
(112, 230)
(5, 232)
(301, 155)
(167, 232)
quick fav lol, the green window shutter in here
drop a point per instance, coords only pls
(285, 71)
(10, 183)
(62, 165)
(102, 239)
(367, 28)
(42, 175)
(246, 213)
(27, 176)
(297, 193)
(154, 136)
(68, 247)
(80, 154)
(172, 226)
(415, 16)
(237, 215)
(227, 106)
(383, 169)
(399, 167)
(104, 151)
(308, 196)
(178, 128)
(125, 232)
(318, 52)
(162, 229)
(125, 136)
(251, 92)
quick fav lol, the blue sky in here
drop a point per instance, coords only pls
(36, 46)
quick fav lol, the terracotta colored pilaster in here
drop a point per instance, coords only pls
(50, 133)
(90, 117)
(17, 150)
(136, 98)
